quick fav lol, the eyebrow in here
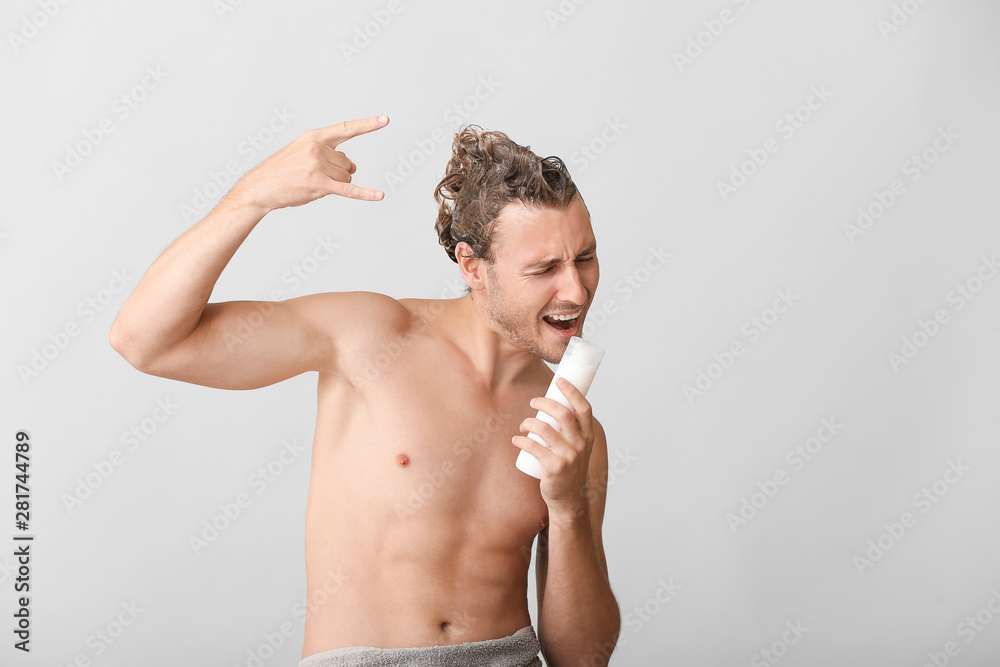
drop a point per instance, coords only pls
(549, 261)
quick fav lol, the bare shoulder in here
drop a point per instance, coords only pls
(425, 311)
(354, 321)
(345, 311)
(363, 325)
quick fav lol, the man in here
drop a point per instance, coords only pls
(414, 497)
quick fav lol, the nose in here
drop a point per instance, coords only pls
(571, 289)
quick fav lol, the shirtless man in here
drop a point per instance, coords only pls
(413, 497)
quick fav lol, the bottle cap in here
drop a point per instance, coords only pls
(583, 352)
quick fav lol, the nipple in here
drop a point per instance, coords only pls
(403, 460)
(543, 522)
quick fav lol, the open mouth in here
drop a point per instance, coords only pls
(563, 323)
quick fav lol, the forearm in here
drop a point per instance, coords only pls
(168, 302)
(579, 619)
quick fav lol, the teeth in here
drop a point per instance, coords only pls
(563, 318)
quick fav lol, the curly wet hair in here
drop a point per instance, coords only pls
(486, 172)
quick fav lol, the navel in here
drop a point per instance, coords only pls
(445, 626)
(403, 460)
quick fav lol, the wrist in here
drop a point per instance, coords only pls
(570, 516)
(241, 199)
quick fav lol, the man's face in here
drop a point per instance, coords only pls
(545, 265)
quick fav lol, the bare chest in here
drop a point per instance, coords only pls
(429, 448)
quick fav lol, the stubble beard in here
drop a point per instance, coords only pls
(514, 326)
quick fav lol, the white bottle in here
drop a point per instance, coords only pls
(578, 365)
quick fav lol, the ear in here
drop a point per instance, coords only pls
(473, 268)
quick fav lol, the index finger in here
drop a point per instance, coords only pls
(341, 132)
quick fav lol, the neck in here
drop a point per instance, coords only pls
(499, 363)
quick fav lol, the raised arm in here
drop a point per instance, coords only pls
(168, 328)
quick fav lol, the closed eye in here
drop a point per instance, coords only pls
(588, 258)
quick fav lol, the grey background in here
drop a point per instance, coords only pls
(561, 75)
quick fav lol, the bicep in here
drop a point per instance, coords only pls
(252, 344)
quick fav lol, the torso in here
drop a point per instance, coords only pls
(418, 526)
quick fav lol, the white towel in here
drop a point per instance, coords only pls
(518, 650)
